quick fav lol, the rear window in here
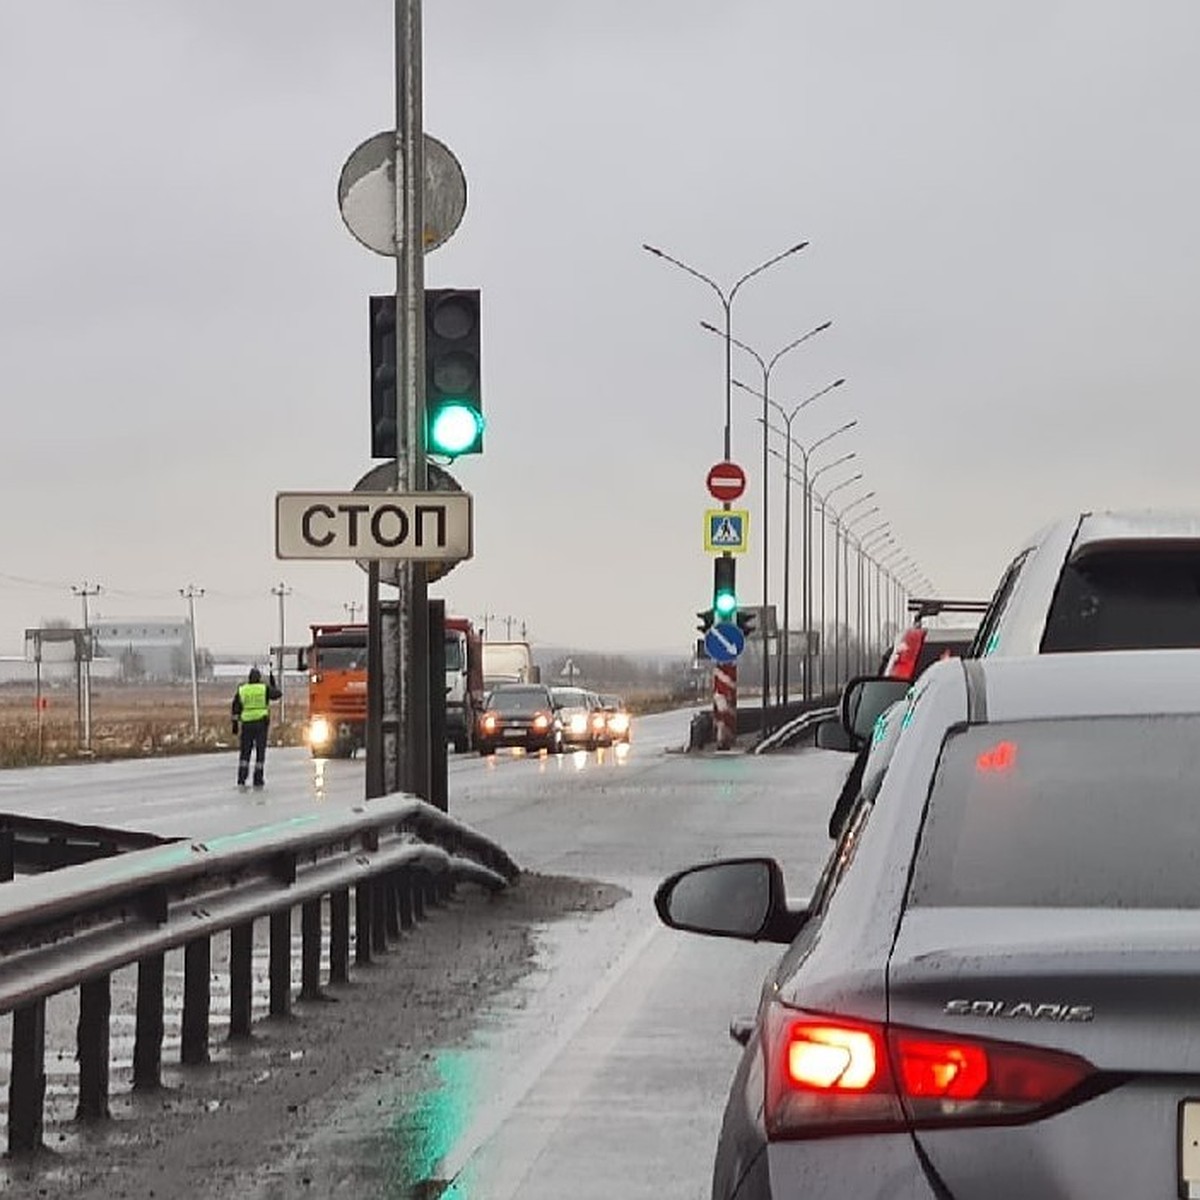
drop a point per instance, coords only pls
(932, 652)
(1128, 601)
(1065, 814)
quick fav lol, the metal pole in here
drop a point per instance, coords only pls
(406, 768)
(190, 593)
(785, 648)
(83, 592)
(807, 516)
(281, 590)
(824, 522)
(766, 561)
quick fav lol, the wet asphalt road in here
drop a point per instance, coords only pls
(604, 1071)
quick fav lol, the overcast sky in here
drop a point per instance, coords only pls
(1001, 200)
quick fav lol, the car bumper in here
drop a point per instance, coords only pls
(872, 1167)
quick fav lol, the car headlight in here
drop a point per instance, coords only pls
(618, 722)
(489, 723)
(541, 721)
(579, 723)
(318, 731)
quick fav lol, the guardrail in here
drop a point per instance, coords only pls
(750, 718)
(793, 729)
(73, 928)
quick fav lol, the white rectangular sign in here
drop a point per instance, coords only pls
(434, 526)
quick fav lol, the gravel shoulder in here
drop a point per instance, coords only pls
(283, 1115)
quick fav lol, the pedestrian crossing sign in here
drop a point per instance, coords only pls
(727, 530)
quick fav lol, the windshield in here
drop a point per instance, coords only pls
(1065, 813)
(340, 658)
(454, 652)
(570, 698)
(513, 701)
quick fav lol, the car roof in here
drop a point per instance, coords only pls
(1103, 683)
(1110, 530)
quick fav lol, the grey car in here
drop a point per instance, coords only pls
(993, 992)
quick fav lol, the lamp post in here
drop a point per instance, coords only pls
(858, 519)
(833, 491)
(812, 491)
(766, 366)
(806, 453)
(726, 298)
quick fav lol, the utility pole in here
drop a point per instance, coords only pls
(85, 668)
(282, 591)
(508, 628)
(191, 594)
(352, 607)
(485, 624)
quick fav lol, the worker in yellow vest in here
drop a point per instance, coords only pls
(251, 711)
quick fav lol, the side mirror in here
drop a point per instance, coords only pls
(736, 897)
(865, 699)
(831, 736)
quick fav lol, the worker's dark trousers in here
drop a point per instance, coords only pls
(254, 738)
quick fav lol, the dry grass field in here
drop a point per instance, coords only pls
(128, 721)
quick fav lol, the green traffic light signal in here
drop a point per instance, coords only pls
(724, 587)
(455, 427)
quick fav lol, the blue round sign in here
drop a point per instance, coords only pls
(724, 643)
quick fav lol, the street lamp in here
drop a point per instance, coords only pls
(766, 366)
(726, 299)
(805, 455)
(858, 519)
(812, 491)
(833, 491)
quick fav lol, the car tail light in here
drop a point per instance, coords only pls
(826, 1076)
(903, 662)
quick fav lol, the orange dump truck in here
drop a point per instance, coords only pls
(337, 687)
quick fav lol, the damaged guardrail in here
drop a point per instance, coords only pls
(794, 729)
(74, 927)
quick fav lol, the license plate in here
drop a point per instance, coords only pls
(1189, 1150)
(514, 733)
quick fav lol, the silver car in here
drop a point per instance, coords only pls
(993, 992)
(1099, 581)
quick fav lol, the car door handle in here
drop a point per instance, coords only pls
(740, 1029)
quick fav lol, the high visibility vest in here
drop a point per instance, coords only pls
(254, 701)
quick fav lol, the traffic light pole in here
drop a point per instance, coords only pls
(404, 745)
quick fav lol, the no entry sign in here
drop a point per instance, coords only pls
(726, 481)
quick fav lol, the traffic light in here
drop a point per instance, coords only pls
(383, 376)
(453, 399)
(747, 621)
(724, 587)
(707, 620)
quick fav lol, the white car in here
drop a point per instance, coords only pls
(1099, 581)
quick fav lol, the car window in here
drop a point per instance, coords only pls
(1102, 812)
(519, 700)
(1130, 601)
(985, 636)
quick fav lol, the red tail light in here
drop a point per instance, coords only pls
(903, 662)
(826, 1076)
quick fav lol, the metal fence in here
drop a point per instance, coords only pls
(73, 928)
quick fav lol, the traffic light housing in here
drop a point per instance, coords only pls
(453, 399)
(453, 394)
(383, 376)
(725, 587)
(747, 621)
(707, 620)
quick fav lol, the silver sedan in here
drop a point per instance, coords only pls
(993, 993)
